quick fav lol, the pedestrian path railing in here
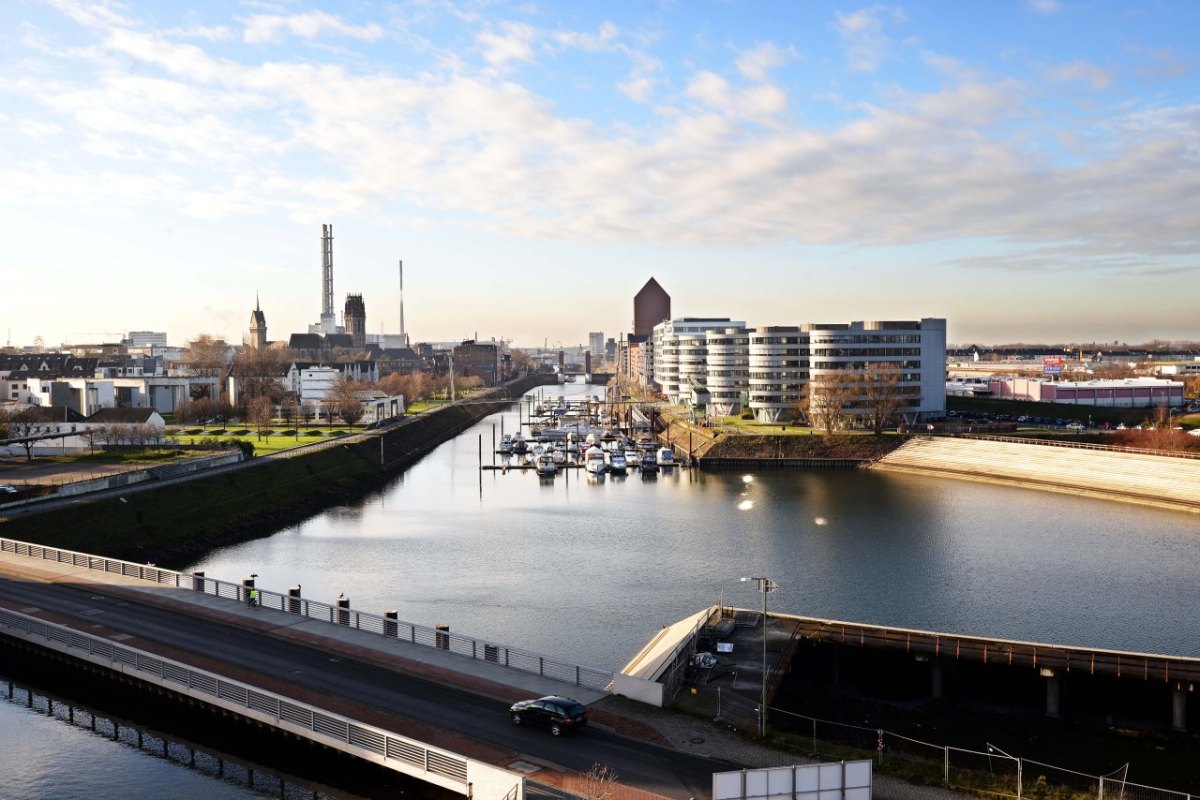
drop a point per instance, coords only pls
(337, 613)
(409, 756)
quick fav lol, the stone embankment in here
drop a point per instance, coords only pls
(174, 524)
(1159, 480)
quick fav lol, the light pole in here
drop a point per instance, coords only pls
(765, 585)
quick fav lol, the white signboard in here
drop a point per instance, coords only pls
(843, 780)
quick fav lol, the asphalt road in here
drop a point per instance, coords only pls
(637, 763)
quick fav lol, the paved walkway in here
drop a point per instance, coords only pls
(680, 731)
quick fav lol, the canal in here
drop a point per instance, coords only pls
(588, 570)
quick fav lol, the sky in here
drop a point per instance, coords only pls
(1027, 169)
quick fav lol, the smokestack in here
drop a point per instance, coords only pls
(328, 318)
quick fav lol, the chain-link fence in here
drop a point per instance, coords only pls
(991, 772)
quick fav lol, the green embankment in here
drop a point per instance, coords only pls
(172, 525)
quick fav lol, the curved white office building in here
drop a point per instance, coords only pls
(778, 367)
(681, 357)
(728, 370)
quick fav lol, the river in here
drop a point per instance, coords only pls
(588, 570)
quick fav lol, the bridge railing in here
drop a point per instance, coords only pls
(412, 757)
(472, 647)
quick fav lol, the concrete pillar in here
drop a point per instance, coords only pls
(1053, 688)
(1179, 707)
(935, 678)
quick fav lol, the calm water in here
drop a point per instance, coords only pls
(47, 757)
(588, 570)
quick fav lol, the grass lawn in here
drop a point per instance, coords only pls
(279, 440)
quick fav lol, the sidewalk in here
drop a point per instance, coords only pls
(679, 731)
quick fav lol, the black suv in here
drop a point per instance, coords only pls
(559, 714)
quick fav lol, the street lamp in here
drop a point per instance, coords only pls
(764, 585)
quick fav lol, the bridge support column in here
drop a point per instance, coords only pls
(935, 678)
(1179, 707)
(1053, 687)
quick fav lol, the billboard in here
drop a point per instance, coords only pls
(1052, 365)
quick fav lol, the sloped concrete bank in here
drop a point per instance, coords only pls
(173, 525)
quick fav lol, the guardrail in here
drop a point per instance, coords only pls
(409, 756)
(1079, 445)
(383, 625)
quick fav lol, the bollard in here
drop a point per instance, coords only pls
(247, 585)
(343, 610)
(390, 626)
(442, 636)
(198, 581)
(294, 600)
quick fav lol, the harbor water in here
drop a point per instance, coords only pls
(587, 569)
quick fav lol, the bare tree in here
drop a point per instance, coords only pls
(259, 412)
(259, 372)
(344, 401)
(207, 355)
(291, 413)
(880, 391)
(830, 393)
(21, 425)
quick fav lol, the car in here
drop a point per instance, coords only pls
(559, 714)
(1075, 426)
(6, 489)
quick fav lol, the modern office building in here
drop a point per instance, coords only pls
(728, 370)
(778, 372)
(680, 353)
(596, 346)
(913, 353)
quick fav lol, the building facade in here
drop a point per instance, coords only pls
(728, 370)
(777, 372)
(651, 305)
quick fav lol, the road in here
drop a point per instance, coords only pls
(485, 720)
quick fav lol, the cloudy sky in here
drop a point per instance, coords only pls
(1026, 168)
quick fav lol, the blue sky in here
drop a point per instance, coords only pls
(1027, 169)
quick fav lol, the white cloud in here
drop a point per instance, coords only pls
(603, 39)
(1044, 6)
(181, 128)
(271, 28)
(1080, 72)
(863, 35)
(514, 42)
(756, 63)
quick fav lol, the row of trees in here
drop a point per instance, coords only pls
(838, 398)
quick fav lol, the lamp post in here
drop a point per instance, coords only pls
(764, 585)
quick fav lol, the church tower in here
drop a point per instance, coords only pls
(258, 327)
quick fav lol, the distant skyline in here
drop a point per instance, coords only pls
(1029, 170)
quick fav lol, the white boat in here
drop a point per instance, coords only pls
(544, 464)
(632, 458)
(665, 457)
(593, 461)
(519, 445)
(506, 443)
(615, 460)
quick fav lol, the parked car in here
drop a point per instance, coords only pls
(6, 489)
(559, 714)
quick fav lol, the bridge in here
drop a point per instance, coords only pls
(424, 702)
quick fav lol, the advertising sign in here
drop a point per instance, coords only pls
(1052, 365)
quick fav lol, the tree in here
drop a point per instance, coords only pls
(259, 412)
(829, 394)
(1192, 387)
(258, 373)
(207, 355)
(21, 425)
(344, 401)
(291, 413)
(522, 361)
(881, 395)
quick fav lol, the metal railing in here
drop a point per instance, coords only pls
(351, 736)
(1112, 448)
(478, 649)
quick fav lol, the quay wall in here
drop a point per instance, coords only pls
(172, 525)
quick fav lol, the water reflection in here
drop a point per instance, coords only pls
(587, 568)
